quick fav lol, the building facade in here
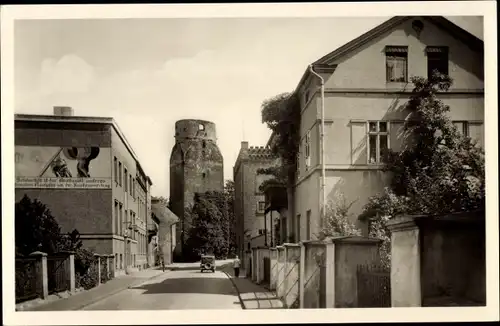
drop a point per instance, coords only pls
(249, 202)
(87, 174)
(366, 85)
(166, 222)
(196, 166)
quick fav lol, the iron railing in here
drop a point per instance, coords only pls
(374, 286)
(104, 269)
(57, 274)
(26, 279)
(267, 269)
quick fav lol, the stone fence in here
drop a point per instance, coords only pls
(40, 275)
(317, 274)
(438, 260)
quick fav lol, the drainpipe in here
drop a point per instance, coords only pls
(322, 142)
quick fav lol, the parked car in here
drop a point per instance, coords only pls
(207, 263)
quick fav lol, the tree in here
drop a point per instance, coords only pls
(35, 228)
(281, 114)
(338, 219)
(162, 200)
(441, 169)
(438, 170)
(209, 225)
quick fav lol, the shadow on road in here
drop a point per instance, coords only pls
(200, 285)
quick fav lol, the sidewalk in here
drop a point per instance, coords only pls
(82, 299)
(253, 296)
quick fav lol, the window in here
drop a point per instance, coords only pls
(121, 219)
(121, 261)
(307, 148)
(396, 63)
(378, 141)
(308, 225)
(115, 169)
(201, 127)
(437, 59)
(130, 184)
(116, 261)
(120, 173)
(117, 218)
(204, 144)
(133, 188)
(306, 97)
(298, 164)
(262, 206)
(298, 227)
(203, 174)
(462, 127)
(126, 180)
(261, 231)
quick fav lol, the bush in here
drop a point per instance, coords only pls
(337, 220)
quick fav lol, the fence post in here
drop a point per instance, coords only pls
(108, 267)
(406, 286)
(42, 278)
(98, 258)
(285, 271)
(70, 270)
(330, 274)
(302, 268)
(111, 267)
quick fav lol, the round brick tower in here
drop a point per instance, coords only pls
(196, 166)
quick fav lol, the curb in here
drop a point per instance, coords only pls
(107, 295)
(237, 290)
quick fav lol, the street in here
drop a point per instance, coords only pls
(183, 289)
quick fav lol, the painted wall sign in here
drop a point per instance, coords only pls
(63, 167)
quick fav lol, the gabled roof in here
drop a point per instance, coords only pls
(467, 38)
(163, 214)
(326, 63)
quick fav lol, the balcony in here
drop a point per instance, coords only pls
(276, 197)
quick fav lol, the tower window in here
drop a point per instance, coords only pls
(201, 127)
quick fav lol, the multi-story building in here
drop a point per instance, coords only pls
(249, 203)
(166, 222)
(366, 85)
(88, 175)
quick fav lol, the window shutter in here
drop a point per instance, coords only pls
(397, 135)
(476, 132)
(358, 142)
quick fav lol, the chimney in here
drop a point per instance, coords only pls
(244, 145)
(65, 111)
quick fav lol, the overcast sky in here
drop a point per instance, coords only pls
(149, 73)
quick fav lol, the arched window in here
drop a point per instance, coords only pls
(201, 127)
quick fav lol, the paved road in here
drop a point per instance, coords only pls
(183, 289)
